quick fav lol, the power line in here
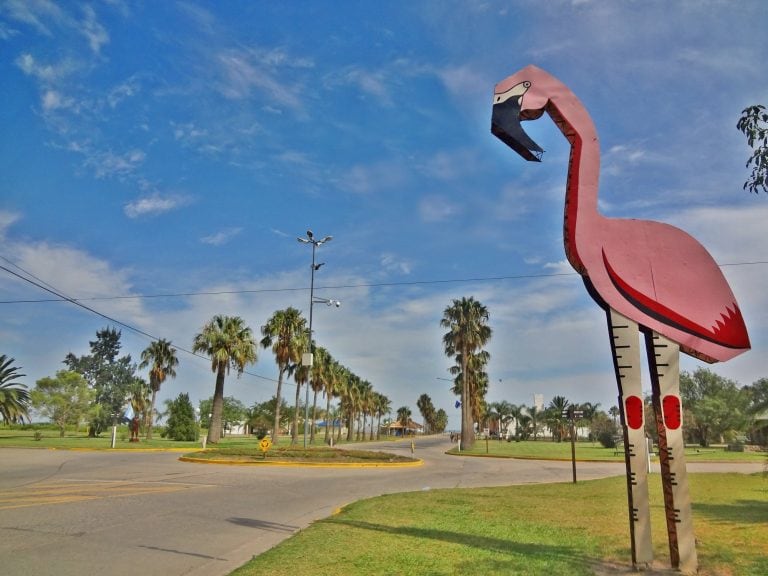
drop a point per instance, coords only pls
(63, 298)
(326, 287)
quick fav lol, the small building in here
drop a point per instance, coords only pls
(396, 428)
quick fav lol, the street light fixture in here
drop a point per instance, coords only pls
(308, 357)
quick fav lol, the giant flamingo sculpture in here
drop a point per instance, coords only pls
(648, 276)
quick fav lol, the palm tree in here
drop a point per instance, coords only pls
(427, 410)
(366, 398)
(300, 375)
(468, 332)
(504, 410)
(319, 376)
(404, 417)
(535, 414)
(284, 332)
(332, 383)
(162, 360)
(139, 395)
(351, 402)
(382, 405)
(229, 343)
(14, 397)
(557, 422)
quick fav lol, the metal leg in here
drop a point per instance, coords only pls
(663, 360)
(625, 344)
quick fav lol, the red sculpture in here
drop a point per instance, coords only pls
(647, 276)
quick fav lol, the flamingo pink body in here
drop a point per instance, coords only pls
(654, 273)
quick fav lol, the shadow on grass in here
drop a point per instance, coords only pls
(741, 511)
(546, 552)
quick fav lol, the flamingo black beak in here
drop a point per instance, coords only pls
(507, 127)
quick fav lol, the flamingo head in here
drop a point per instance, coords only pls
(518, 98)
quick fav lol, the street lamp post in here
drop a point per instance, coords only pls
(307, 358)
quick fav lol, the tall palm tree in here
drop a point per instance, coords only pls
(557, 422)
(284, 333)
(319, 376)
(366, 397)
(404, 417)
(229, 343)
(468, 331)
(332, 383)
(160, 356)
(382, 405)
(505, 411)
(300, 375)
(535, 414)
(14, 396)
(427, 410)
(351, 400)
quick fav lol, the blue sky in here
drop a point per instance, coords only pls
(169, 153)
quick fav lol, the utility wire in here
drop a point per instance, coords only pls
(61, 297)
(327, 287)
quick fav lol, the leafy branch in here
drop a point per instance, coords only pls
(754, 125)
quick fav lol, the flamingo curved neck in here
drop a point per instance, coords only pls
(573, 120)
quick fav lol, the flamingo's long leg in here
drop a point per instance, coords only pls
(625, 344)
(663, 359)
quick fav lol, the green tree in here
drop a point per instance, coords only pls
(381, 406)
(557, 423)
(261, 416)
(404, 417)
(753, 123)
(441, 421)
(139, 395)
(14, 397)
(284, 333)
(233, 412)
(108, 374)
(229, 343)
(468, 331)
(181, 425)
(161, 359)
(427, 410)
(64, 400)
(718, 408)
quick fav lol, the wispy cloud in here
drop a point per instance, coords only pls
(437, 209)
(6, 221)
(110, 164)
(93, 31)
(222, 237)
(154, 205)
(392, 263)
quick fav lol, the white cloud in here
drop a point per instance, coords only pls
(376, 177)
(222, 237)
(35, 13)
(93, 31)
(437, 209)
(108, 164)
(154, 205)
(7, 219)
(391, 263)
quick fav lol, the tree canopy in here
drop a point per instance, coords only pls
(14, 397)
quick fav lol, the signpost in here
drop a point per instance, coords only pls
(571, 414)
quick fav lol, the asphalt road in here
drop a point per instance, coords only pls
(146, 513)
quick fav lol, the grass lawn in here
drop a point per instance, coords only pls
(554, 529)
(310, 455)
(546, 449)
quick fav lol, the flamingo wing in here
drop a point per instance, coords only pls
(665, 280)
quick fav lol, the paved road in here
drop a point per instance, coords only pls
(124, 513)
